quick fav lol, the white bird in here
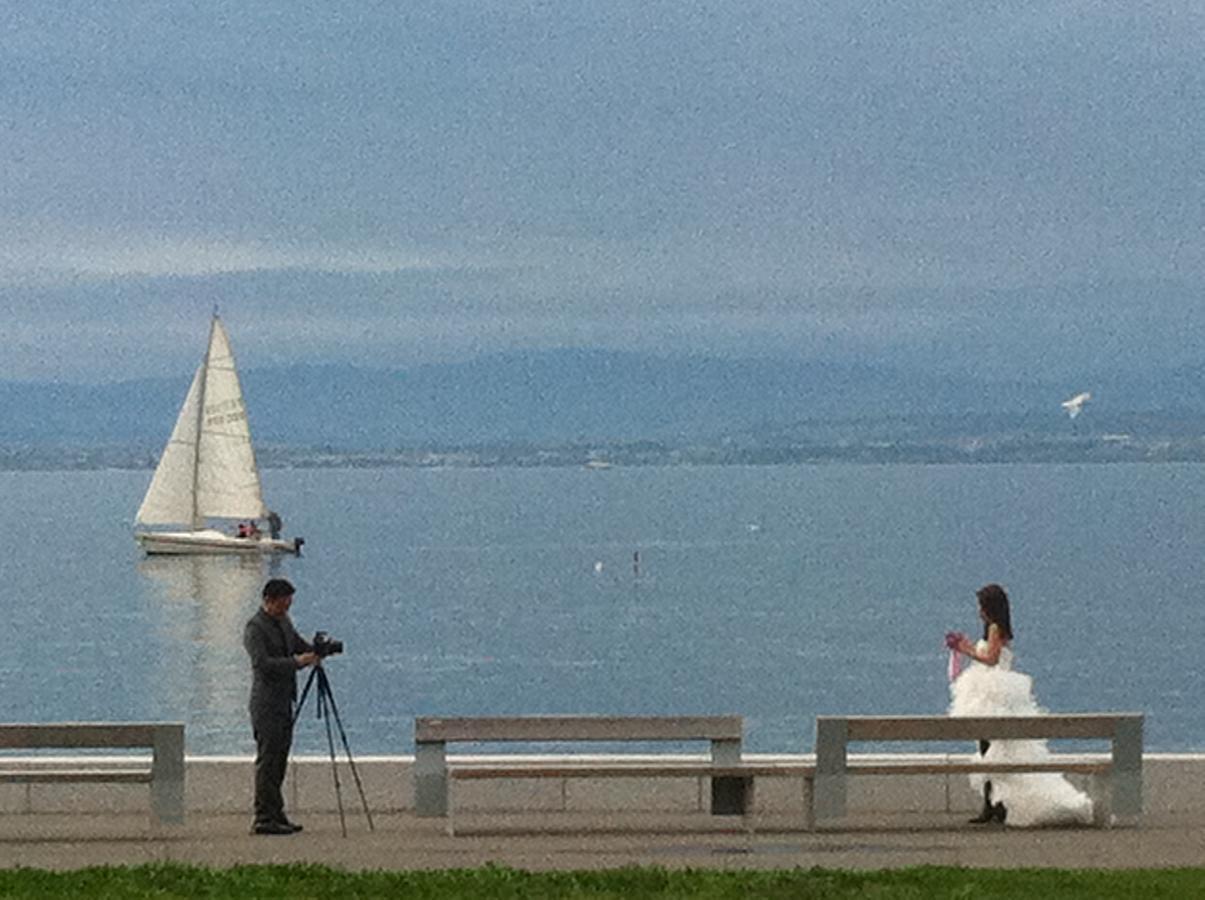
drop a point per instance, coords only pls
(598, 567)
(1075, 405)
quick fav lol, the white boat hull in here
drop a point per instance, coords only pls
(210, 540)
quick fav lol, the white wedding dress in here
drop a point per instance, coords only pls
(1041, 798)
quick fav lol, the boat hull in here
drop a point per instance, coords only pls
(211, 541)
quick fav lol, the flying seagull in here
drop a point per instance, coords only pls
(1075, 405)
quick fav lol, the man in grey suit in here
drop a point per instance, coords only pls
(277, 651)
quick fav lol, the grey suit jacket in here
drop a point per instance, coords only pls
(272, 644)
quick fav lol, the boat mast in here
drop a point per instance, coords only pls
(197, 520)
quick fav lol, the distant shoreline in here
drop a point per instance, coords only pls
(601, 457)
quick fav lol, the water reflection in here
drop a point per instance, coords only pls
(204, 602)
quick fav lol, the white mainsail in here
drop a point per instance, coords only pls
(208, 466)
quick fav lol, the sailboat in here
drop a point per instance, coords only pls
(207, 470)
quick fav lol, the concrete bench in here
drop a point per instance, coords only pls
(433, 773)
(165, 774)
(1121, 774)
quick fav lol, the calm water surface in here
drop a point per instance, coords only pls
(776, 593)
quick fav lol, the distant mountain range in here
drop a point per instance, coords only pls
(569, 395)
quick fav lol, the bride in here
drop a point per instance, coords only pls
(990, 687)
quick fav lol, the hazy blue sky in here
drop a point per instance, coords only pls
(981, 187)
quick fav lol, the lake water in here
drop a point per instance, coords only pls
(776, 593)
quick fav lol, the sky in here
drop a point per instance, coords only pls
(963, 188)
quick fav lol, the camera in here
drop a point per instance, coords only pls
(325, 645)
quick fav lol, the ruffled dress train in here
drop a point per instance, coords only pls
(1041, 798)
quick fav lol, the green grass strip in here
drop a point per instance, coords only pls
(325, 883)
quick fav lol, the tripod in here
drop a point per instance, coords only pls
(327, 709)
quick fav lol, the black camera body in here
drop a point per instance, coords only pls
(325, 645)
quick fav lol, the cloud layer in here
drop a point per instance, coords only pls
(397, 183)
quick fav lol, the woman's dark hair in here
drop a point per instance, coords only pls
(994, 603)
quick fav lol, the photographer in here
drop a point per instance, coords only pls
(277, 651)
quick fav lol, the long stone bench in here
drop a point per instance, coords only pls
(165, 775)
(1120, 774)
(433, 773)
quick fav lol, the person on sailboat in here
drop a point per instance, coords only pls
(275, 526)
(277, 651)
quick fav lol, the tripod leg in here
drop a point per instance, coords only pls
(304, 693)
(324, 697)
(330, 696)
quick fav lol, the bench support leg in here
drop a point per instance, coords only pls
(828, 792)
(729, 795)
(167, 775)
(1127, 769)
(431, 779)
(1100, 791)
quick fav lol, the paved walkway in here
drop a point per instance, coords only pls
(402, 841)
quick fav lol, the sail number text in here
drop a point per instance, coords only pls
(227, 411)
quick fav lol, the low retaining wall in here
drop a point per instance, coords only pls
(1173, 783)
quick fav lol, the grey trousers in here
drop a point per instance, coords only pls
(273, 738)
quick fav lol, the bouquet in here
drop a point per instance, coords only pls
(954, 640)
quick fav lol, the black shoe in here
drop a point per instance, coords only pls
(984, 817)
(272, 828)
(292, 825)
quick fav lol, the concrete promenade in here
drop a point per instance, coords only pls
(402, 841)
(895, 821)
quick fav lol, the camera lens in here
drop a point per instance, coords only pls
(325, 645)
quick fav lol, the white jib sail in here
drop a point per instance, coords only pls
(208, 467)
(169, 499)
